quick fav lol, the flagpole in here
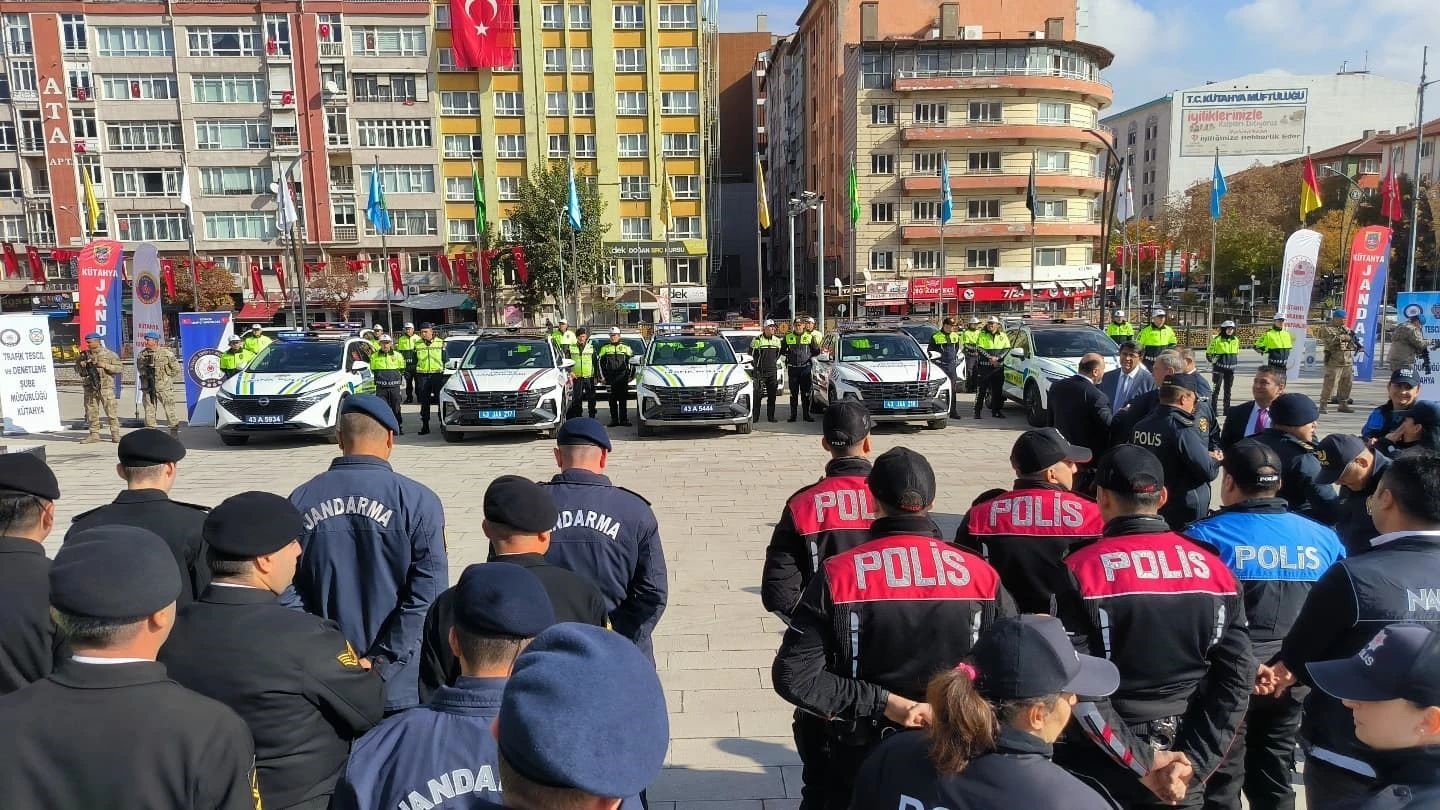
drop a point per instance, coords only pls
(189, 203)
(1210, 312)
(483, 314)
(1419, 147)
(389, 287)
(1034, 204)
(944, 265)
(759, 240)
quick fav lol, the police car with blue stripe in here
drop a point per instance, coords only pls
(690, 376)
(294, 386)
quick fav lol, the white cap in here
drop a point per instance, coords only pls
(992, 319)
(1157, 311)
(769, 322)
(614, 330)
(1119, 313)
(974, 319)
(1227, 325)
(254, 327)
(409, 325)
(562, 320)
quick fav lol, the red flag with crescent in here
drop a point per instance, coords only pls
(445, 267)
(12, 266)
(257, 284)
(167, 273)
(483, 33)
(462, 269)
(396, 283)
(521, 271)
(280, 279)
(37, 269)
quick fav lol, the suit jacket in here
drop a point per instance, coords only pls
(1081, 412)
(1144, 381)
(1236, 418)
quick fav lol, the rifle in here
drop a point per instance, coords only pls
(89, 371)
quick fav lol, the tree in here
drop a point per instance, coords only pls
(216, 287)
(543, 197)
(334, 287)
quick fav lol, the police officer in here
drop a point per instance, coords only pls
(1171, 433)
(1340, 345)
(851, 653)
(562, 337)
(1356, 469)
(98, 367)
(1394, 581)
(373, 548)
(582, 351)
(445, 748)
(1186, 670)
(1277, 556)
(1275, 343)
(235, 359)
(378, 336)
(1292, 435)
(1402, 393)
(991, 348)
(766, 350)
(969, 340)
(255, 340)
(429, 372)
(293, 678)
(405, 345)
(1170, 361)
(949, 344)
(519, 517)
(158, 370)
(606, 533)
(388, 366)
(1027, 532)
(1224, 355)
(800, 347)
(1119, 328)
(830, 516)
(108, 728)
(614, 360)
(149, 465)
(1155, 337)
(1392, 687)
(28, 492)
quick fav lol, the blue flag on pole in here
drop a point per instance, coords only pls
(947, 202)
(375, 209)
(573, 207)
(1219, 190)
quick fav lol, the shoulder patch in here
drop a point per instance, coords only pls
(1203, 424)
(348, 658)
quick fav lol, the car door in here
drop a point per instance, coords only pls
(1015, 367)
(360, 380)
(820, 371)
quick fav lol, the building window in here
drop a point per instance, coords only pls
(685, 228)
(1050, 209)
(1050, 257)
(22, 76)
(446, 59)
(926, 163)
(925, 211)
(142, 137)
(882, 212)
(1054, 113)
(1370, 166)
(635, 272)
(509, 231)
(882, 164)
(220, 181)
(629, 17)
(633, 145)
(83, 126)
(224, 40)
(552, 17)
(582, 60)
(10, 183)
(509, 188)
(12, 229)
(403, 178)
(412, 223)
(510, 146)
(686, 271)
(228, 89)
(152, 87)
(134, 41)
(882, 114)
(463, 146)
(388, 41)
(555, 103)
(983, 162)
(685, 186)
(585, 147)
(460, 102)
(677, 15)
(236, 134)
(510, 103)
(583, 103)
(239, 225)
(17, 35)
(72, 33)
(394, 133)
(77, 79)
(986, 112)
(138, 227)
(982, 209)
(634, 187)
(630, 102)
(554, 60)
(277, 33)
(930, 113)
(460, 230)
(982, 258)
(882, 260)
(679, 60)
(680, 102)
(629, 60)
(580, 17)
(559, 146)
(7, 137)
(635, 229)
(925, 259)
(679, 144)
(442, 17)
(337, 126)
(458, 189)
(384, 87)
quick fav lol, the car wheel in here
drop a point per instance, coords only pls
(230, 440)
(938, 424)
(815, 405)
(643, 428)
(743, 428)
(1035, 412)
(451, 436)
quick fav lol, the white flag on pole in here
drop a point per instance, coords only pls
(1124, 196)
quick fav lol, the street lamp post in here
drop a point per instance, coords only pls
(1419, 147)
(820, 269)
(1114, 166)
(559, 258)
(808, 201)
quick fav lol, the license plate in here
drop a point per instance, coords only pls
(497, 415)
(901, 404)
(265, 419)
(697, 408)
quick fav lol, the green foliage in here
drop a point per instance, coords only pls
(543, 197)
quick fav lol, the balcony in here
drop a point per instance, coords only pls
(1050, 80)
(332, 50)
(984, 180)
(1008, 130)
(286, 140)
(338, 140)
(347, 234)
(1076, 227)
(32, 146)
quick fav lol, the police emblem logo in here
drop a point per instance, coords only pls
(204, 368)
(9, 337)
(1367, 654)
(1320, 456)
(347, 657)
(1203, 424)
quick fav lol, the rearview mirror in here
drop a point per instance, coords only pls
(1017, 353)
(567, 363)
(452, 365)
(744, 359)
(635, 361)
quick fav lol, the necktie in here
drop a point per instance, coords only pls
(1262, 419)
(1122, 390)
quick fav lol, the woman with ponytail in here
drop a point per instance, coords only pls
(991, 723)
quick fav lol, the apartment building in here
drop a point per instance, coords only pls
(623, 90)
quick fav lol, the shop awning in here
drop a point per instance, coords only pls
(436, 300)
(258, 310)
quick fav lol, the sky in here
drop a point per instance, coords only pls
(1165, 45)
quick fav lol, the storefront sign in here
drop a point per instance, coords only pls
(651, 250)
(28, 401)
(689, 295)
(886, 292)
(933, 288)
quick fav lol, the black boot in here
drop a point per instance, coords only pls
(425, 427)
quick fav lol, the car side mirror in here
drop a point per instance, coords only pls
(934, 355)
(1017, 353)
(635, 361)
(452, 365)
(359, 365)
(744, 359)
(567, 363)
(823, 357)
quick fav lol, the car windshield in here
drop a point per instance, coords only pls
(741, 343)
(455, 349)
(507, 354)
(307, 357)
(637, 345)
(691, 351)
(1071, 342)
(873, 347)
(920, 331)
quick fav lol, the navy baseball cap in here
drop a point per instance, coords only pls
(114, 572)
(373, 407)
(1402, 661)
(500, 599)
(1031, 656)
(1040, 449)
(903, 479)
(1405, 376)
(1189, 382)
(846, 423)
(583, 430)
(1130, 469)
(1293, 410)
(1253, 465)
(1335, 453)
(1424, 413)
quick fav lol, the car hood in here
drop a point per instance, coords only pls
(692, 376)
(251, 384)
(502, 379)
(1067, 366)
(889, 371)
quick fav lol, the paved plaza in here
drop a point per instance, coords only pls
(717, 495)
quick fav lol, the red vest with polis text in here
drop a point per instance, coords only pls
(1026, 534)
(907, 606)
(832, 516)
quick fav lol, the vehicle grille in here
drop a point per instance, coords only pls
(874, 395)
(496, 400)
(285, 406)
(716, 395)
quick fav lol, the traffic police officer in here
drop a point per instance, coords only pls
(851, 653)
(1340, 345)
(1395, 581)
(109, 728)
(28, 492)
(1119, 328)
(255, 340)
(1224, 355)
(373, 548)
(606, 533)
(614, 361)
(1169, 615)
(388, 366)
(582, 351)
(800, 347)
(562, 337)
(405, 344)
(766, 349)
(292, 677)
(149, 464)
(235, 359)
(1275, 343)
(429, 372)
(519, 516)
(1171, 433)
(98, 367)
(949, 343)
(1027, 532)
(445, 749)
(969, 340)
(991, 347)
(1155, 337)
(1356, 469)
(1292, 435)
(1277, 556)
(830, 516)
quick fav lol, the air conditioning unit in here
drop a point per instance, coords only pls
(412, 289)
(609, 290)
(972, 32)
(1037, 34)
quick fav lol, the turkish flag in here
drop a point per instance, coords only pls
(483, 33)
(280, 279)
(462, 270)
(167, 272)
(257, 284)
(483, 259)
(37, 270)
(445, 267)
(521, 271)
(396, 283)
(1390, 206)
(12, 267)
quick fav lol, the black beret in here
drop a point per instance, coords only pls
(29, 474)
(582, 430)
(252, 524)
(521, 504)
(1293, 410)
(149, 447)
(114, 572)
(584, 710)
(373, 407)
(502, 599)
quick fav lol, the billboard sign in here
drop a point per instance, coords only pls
(1243, 122)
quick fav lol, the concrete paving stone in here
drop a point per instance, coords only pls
(693, 642)
(702, 700)
(726, 659)
(782, 804)
(704, 725)
(745, 641)
(794, 781)
(727, 752)
(766, 724)
(691, 680)
(729, 784)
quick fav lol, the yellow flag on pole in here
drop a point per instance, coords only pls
(763, 197)
(92, 205)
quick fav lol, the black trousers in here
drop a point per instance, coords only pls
(812, 743)
(1222, 378)
(1328, 787)
(952, 371)
(394, 396)
(1262, 760)
(427, 388)
(991, 385)
(582, 390)
(409, 380)
(799, 390)
(767, 387)
(619, 394)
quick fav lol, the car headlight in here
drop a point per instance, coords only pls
(543, 391)
(314, 396)
(224, 397)
(733, 391)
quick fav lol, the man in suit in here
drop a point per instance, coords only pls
(1080, 410)
(1253, 417)
(1128, 381)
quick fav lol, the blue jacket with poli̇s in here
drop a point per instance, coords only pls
(609, 535)
(373, 560)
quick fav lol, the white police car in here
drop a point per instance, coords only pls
(510, 381)
(884, 368)
(294, 386)
(691, 377)
(1042, 352)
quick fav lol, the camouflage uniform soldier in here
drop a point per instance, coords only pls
(98, 367)
(158, 370)
(1340, 345)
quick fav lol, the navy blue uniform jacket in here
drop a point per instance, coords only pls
(373, 561)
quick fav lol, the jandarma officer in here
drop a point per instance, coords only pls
(28, 492)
